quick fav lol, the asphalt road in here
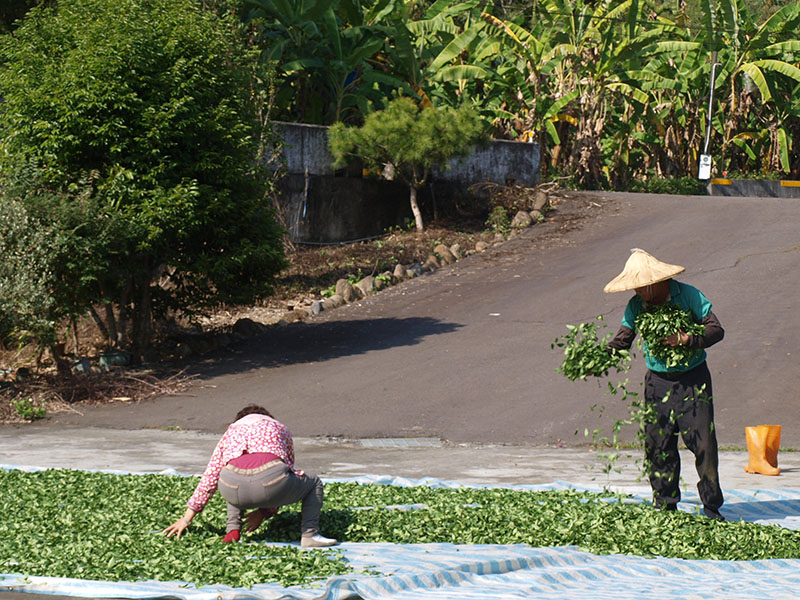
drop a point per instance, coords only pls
(464, 354)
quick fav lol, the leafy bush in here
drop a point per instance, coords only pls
(498, 220)
(768, 175)
(690, 186)
(150, 112)
(26, 409)
(27, 306)
(411, 139)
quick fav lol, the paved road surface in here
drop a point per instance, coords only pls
(464, 354)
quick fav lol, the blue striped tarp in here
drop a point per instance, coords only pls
(446, 571)
(488, 572)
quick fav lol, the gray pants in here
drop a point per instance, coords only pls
(270, 486)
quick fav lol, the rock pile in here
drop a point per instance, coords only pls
(352, 290)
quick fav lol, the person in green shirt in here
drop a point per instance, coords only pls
(679, 397)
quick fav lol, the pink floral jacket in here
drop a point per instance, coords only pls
(250, 434)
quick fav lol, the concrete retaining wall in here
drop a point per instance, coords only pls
(321, 205)
(305, 147)
(501, 161)
(763, 188)
(325, 209)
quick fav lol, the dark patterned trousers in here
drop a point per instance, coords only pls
(680, 404)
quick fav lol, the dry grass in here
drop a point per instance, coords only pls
(57, 394)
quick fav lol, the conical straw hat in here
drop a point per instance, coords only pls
(642, 269)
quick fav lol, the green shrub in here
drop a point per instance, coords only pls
(499, 221)
(28, 309)
(689, 186)
(26, 409)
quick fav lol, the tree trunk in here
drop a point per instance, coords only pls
(113, 330)
(100, 325)
(142, 324)
(415, 208)
(62, 365)
(75, 341)
(122, 327)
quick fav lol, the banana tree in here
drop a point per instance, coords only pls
(596, 59)
(675, 77)
(427, 48)
(322, 49)
(759, 62)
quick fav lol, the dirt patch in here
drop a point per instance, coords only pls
(312, 271)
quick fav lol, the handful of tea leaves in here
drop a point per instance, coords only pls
(586, 355)
(658, 322)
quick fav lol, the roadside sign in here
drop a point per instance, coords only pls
(704, 170)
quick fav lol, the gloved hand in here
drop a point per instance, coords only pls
(231, 536)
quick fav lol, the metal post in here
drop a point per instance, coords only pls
(714, 65)
(704, 169)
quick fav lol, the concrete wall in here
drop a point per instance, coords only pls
(306, 147)
(763, 188)
(502, 162)
(341, 209)
(341, 206)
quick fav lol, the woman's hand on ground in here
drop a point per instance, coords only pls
(177, 528)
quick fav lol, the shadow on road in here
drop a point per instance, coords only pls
(316, 342)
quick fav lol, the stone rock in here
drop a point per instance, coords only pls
(415, 270)
(445, 256)
(223, 339)
(291, 316)
(367, 285)
(480, 245)
(537, 216)
(383, 280)
(82, 365)
(337, 300)
(455, 250)
(114, 359)
(316, 307)
(499, 237)
(247, 327)
(521, 220)
(540, 200)
(334, 301)
(346, 291)
(431, 263)
(399, 271)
